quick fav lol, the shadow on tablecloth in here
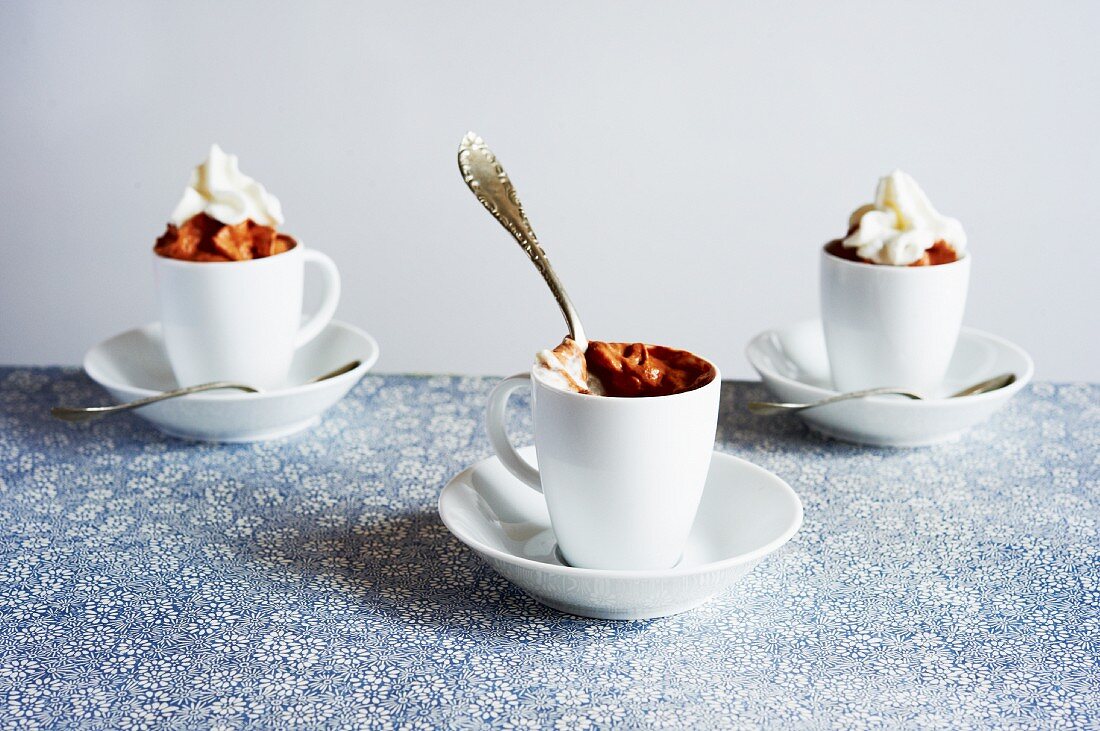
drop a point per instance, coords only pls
(407, 567)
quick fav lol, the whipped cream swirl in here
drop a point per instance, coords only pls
(901, 224)
(564, 368)
(219, 189)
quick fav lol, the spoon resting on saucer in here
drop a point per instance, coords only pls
(770, 408)
(84, 413)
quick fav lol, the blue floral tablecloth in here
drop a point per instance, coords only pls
(148, 582)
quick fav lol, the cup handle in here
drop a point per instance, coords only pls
(313, 327)
(494, 422)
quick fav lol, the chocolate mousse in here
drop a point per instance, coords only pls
(940, 253)
(625, 370)
(203, 238)
(635, 369)
(224, 216)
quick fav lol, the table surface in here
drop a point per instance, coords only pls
(149, 582)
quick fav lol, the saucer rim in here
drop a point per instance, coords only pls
(630, 574)
(228, 396)
(1007, 391)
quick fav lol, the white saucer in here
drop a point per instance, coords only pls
(746, 513)
(134, 365)
(795, 368)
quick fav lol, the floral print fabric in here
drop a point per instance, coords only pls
(149, 582)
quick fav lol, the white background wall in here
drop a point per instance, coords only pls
(682, 162)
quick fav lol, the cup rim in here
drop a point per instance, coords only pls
(173, 261)
(573, 394)
(966, 256)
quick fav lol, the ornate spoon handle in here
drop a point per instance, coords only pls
(769, 408)
(487, 180)
(84, 413)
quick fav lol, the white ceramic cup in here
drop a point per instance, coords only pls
(890, 325)
(622, 476)
(241, 320)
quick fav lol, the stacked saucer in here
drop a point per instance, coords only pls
(746, 514)
(794, 366)
(134, 365)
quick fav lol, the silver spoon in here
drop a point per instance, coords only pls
(487, 180)
(769, 408)
(84, 413)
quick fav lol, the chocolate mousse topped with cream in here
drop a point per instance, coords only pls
(901, 228)
(224, 216)
(625, 370)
